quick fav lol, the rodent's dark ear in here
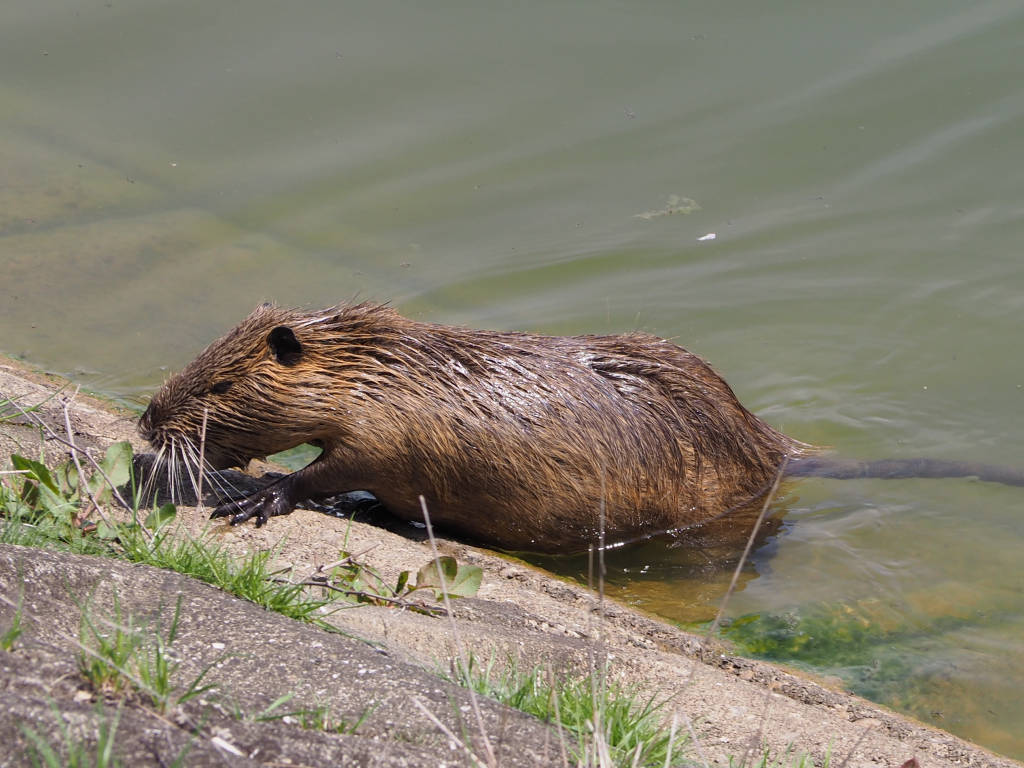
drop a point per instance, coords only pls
(286, 348)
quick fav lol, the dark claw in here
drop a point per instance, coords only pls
(241, 510)
(262, 505)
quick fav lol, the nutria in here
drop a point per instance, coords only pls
(514, 439)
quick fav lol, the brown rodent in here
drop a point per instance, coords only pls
(516, 440)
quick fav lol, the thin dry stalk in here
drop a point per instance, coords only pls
(671, 740)
(202, 462)
(448, 732)
(459, 648)
(96, 465)
(696, 741)
(853, 749)
(755, 743)
(78, 465)
(372, 596)
(596, 650)
(725, 599)
(320, 570)
(743, 559)
(750, 545)
(602, 756)
(558, 717)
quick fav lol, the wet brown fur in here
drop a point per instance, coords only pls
(514, 439)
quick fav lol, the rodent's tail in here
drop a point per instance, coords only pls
(828, 466)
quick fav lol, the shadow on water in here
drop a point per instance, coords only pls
(683, 575)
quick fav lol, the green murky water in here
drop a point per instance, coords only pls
(164, 166)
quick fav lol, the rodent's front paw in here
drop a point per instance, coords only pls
(262, 505)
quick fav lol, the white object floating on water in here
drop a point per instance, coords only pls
(708, 236)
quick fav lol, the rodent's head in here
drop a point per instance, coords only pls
(247, 395)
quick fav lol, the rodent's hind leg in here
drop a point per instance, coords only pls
(276, 499)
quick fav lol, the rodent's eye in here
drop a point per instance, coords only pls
(220, 387)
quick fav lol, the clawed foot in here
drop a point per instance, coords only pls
(270, 502)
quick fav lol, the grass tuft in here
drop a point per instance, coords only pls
(595, 711)
(73, 752)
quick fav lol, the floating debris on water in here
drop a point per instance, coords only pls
(675, 204)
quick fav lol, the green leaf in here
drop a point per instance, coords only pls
(106, 531)
(116, 467)
(467, 581)
(99, 489)
(41, 746)
(403, 579)
(67, 478)
(40, 491)
(118, 463)
(428, 575)
(356, 582)
(11, 503)
(53, 503)
(459, 580)
(158, 518)
(36, 471)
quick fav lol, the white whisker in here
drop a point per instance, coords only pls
(225, 488)
(190, 463)
(175, 474)
(149, 490)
